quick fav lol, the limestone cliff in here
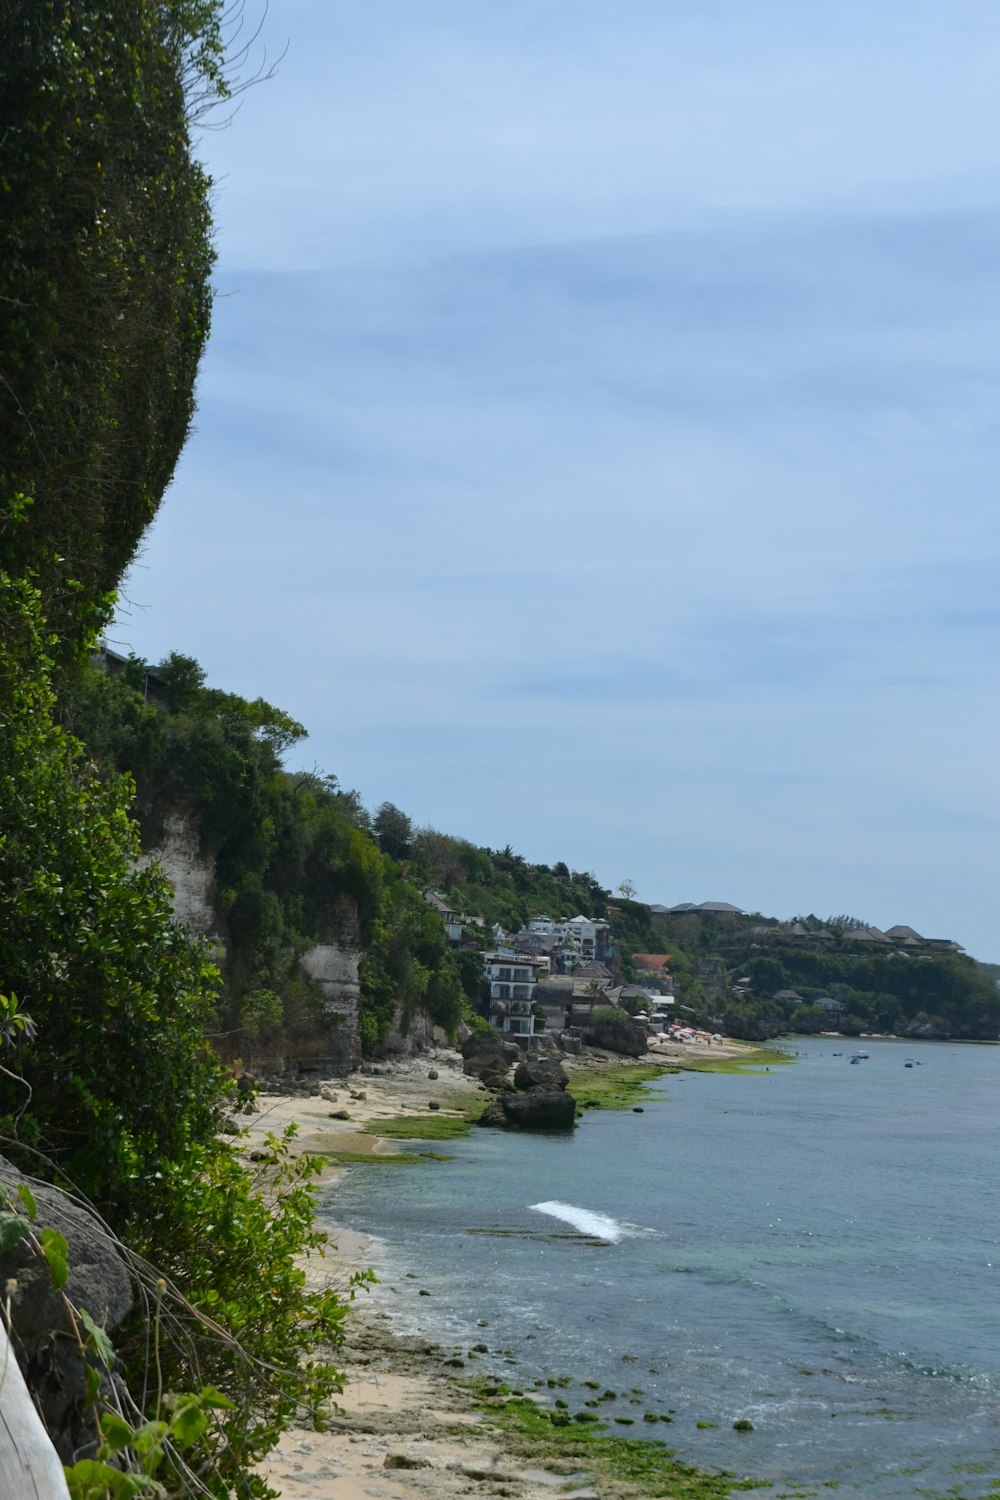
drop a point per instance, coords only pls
(191, 874)
(333, 967)
(326, 1041)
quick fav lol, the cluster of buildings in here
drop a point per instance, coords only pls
(535, 975)
(525, 996)
(810, 932)
(562, 955)
(553, 973)
(567, 943)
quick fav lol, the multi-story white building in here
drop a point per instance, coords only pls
(542, 926)
(512, 978)
(593, 935)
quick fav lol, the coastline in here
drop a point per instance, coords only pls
(410, 1425)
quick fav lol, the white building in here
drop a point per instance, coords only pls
(511, 978)
(591, 936)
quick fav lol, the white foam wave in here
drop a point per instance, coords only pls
(594, 1225)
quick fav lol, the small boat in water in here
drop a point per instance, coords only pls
(858, 1057)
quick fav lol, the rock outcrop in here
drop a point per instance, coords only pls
(545, 1073)
(330, 1045)
(539, 1109)
(627, 1038)
(540, 1099)
(488, 1057)
(191, 874)
(41, 1331)
(333, 967)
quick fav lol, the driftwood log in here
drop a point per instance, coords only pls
(30, 1468)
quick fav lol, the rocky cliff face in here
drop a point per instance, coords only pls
(711, 973)
(42, 1334)
(333, 1045)
(191, 873)
(328, 1044)
(333, 968)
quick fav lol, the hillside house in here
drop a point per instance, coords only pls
(702, 909)
(655, 969)
(577, 939)
(512, 978)
(455, 923)
(154, 686)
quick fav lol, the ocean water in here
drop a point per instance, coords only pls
(815, 1248)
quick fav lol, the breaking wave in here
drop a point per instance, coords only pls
(594, 1225)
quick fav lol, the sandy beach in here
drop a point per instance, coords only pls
(404, 1429)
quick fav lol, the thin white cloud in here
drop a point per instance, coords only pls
(621, 486)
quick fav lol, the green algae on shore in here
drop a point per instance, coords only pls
(429, 1127)
(380, 1158)
(753, 1060)
(636, 1467)
(616, 1086)
(623, 1085)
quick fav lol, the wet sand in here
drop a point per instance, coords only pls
(405, 1430)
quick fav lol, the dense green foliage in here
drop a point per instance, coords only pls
(119, 995)
(941, 994)
(113, 1087)
(626, 1466)
(104, 1001)
(105, 256)
(293, 859)
(498, 884)
(929, 990)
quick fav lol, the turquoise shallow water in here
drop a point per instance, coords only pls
(816, 1248)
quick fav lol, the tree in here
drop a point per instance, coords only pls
(407, 967)
(394, 831)
(118, 1073)
(628, 890)
(183, 680)
(768, 974)
(113, 1088)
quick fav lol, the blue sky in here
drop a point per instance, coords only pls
(597, 445)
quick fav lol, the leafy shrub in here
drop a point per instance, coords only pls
(118, 1091)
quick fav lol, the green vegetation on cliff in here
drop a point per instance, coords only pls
(289, 849)
(294, 864)
(111, 1088)
(107, 1082)
(105, 256)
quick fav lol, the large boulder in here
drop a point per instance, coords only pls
(545, 1073)
(41, 1332)
(494, 1115)
(627, 1038)
(486, 1056)
(540, 1110)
